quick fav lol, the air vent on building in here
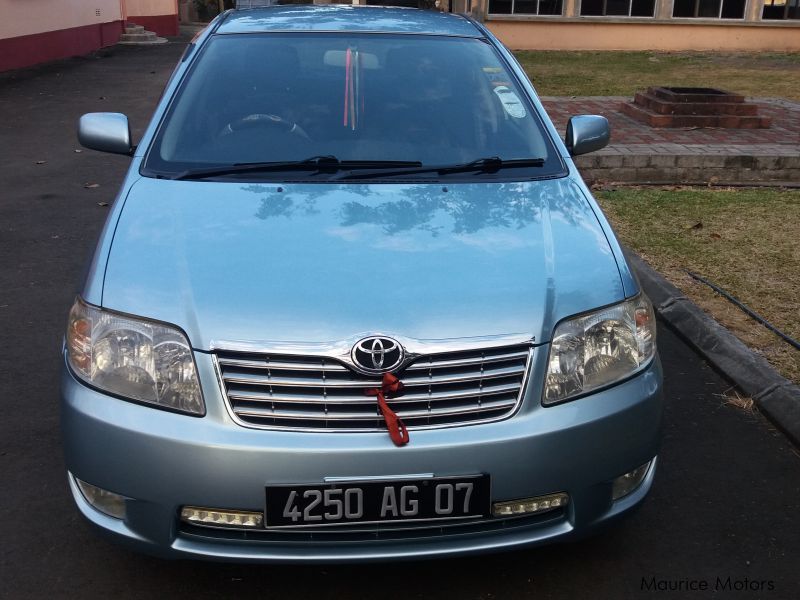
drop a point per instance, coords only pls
(96, 12)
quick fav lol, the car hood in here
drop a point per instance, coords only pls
(259, 263)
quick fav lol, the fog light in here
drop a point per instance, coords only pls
(528, 506)
(106, 502)
(211, 517)
(625, 484)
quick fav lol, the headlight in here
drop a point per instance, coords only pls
(134, 358)
(597, 349)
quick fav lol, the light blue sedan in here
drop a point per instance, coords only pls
(354, 302)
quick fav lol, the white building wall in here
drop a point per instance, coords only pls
(26, 17)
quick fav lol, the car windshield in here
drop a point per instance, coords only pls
(350, 101)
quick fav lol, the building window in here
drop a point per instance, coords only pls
(710, 9)
(781, 9)
(525, 7)
(618, 8)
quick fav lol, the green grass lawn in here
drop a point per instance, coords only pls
(622, 73)
(745, 241)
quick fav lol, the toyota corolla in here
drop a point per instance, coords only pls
(354, 302)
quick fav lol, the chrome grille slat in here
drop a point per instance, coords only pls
(251, 396)
(282, 365)
(315, 393)
(424, 365)
(461, 378)
(273, 414)
(299, 382)
(407, 381)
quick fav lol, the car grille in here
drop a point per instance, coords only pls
(378, 532)
(322, 394)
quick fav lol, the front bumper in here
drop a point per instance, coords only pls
(162, 461)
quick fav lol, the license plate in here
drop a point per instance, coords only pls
(377, 501)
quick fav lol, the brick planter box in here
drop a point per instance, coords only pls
(694, 107)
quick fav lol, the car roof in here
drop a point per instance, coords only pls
(329, 17)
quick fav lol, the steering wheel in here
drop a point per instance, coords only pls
(264, 120)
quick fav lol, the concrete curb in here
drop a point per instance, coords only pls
(776, 397)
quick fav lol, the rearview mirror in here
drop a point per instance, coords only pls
(338, 58)
(587, 133)
(106, 132)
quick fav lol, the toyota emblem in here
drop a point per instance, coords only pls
(375, 355)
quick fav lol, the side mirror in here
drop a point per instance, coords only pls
(587, 133)
(106, 132)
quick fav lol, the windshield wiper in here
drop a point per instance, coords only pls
(313, 163)
(490, 164)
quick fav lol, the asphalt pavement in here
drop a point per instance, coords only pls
(724, 510)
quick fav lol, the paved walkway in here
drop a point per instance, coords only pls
(642, 154)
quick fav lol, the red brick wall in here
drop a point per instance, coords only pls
(28, 50)
(163, 25)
